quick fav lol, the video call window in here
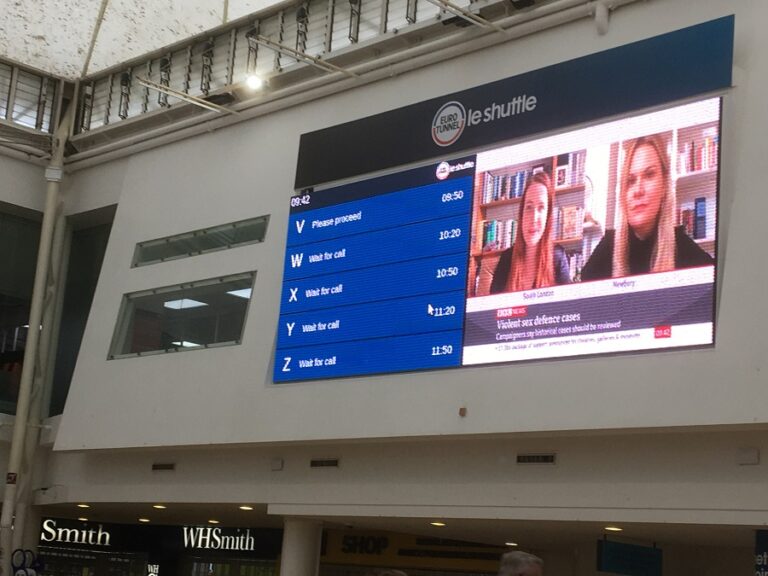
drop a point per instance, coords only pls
(610, 226)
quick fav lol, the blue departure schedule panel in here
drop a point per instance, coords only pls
(375, 275)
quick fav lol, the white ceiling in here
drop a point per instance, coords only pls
(69, 40)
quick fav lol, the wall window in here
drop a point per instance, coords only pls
(86, 255)
(19, 239)
(191, 316)
(201, 241)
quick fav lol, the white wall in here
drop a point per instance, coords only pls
(677, 489)
(22, 184)
(96, 188)
(688, 478)
(225, 395)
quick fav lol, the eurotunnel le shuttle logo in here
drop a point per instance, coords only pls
(444, 169)
(451, 119)
(448, 123)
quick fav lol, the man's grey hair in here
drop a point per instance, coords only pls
(513, 562)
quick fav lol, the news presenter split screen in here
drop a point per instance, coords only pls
(596, 240)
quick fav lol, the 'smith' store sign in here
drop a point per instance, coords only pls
(91, 536)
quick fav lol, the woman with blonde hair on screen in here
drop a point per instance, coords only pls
(645, 238)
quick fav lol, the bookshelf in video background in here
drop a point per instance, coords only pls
(497, 205)
(698, 149)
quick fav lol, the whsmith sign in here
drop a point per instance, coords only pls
(162, 542)
(207, 538)
(81, 536)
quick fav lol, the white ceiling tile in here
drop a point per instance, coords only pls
(240, 8)
(131, 29)
(55, 36)
(48, 35)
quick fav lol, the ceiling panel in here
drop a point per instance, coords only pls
(240, 8)
(55, 37)
(48, 35)
(131, 29)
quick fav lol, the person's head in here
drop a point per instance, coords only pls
(535, 210)
(645, 184)
(518, 563)
(534, 233)
(646, 203)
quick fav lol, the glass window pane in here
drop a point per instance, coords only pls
(19, 240)
(201, 241)
(197, 315)
(85, 257)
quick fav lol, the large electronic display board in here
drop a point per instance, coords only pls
(592, 241)
(496, 244)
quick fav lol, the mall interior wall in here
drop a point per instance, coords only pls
(646, 438)
(247, 170)
(21, 185)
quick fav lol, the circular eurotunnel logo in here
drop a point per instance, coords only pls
(448, 123)
(443, 170)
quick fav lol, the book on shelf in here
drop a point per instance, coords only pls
(577, 161)
(572, 222)
(575, 264)
(569, 169)
(498, 234)
(700, 218)
(687, 219)
(698, 156)
(504, 186)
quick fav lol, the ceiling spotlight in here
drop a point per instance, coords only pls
(614, 529)
(212, 521)
(246, 507)
(144, 520)
(254, 82)
(83, 519)
(439, 524)
(159, 506)
(510, 543)
(83, 506)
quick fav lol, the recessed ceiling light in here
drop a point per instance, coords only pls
(510, 543)
(614, 529)
(246, 507)
(185, 344)
(254, 82)
(82, 519)
(83, 506)
(145, 520)
(159, 506)
(183, 304)
(437, 524)
(212, 521)
(242, 293)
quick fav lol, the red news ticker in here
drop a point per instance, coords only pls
(662, 332)
(514, 312)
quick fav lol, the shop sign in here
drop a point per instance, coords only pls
(208, 538)
(91, 536)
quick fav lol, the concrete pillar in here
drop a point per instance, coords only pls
(301, 547)
(32, 527)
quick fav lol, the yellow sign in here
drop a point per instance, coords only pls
(388, 549)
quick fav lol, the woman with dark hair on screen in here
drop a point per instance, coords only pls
(645, 239)
(533, 261)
